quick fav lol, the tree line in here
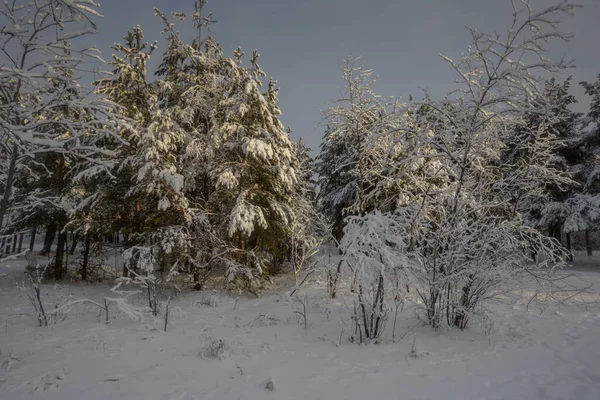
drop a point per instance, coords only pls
(451, 199)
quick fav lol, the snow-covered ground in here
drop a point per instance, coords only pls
(527, 355)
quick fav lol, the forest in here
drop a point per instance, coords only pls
(174, 201)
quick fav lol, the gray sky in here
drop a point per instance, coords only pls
(303, 42)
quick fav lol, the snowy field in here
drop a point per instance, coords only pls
(527, 355)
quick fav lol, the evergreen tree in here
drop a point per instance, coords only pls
(207, 165)
(111, 206)
(146, 173)
(566, 208)
(591, 143)
(350, 125)
(590, 171)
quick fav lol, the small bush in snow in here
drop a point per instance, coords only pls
(373, 249)
(210, 300)
(218, 348)
(32, 290)
(269, 384)
(266, 320)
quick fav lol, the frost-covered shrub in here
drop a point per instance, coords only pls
(374, 248)
(266, 320)
(455, 229)
(270, 384)
(141, 264)
(209, 300)
(218, 348)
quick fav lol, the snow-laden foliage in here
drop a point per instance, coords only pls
(309, 228)
(205, 160)
(454, 199)
(236, 158)
(355, 120)
(590, 170)
(142, 267)
(566, 208)
(375, 249)
(51, 131)
(245, 216)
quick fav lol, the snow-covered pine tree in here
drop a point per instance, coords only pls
(192, 90)
(355, 120)
(240, 164)
(156, 215)
(258, 164)
(109, 206)
(213, 167)
(592, 119)
(566, 208)
(591, 150)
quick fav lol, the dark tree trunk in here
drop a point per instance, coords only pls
(126, 241)
(196, 275)
(14, 243)
(86, 256)
(73, 245)
(32, 241)
(10, 177)
(60, 253)
(21, 242)
(569, 253)
(197, 284)
(588, 243)
(49, 239)
(557, 232)
(554, 231)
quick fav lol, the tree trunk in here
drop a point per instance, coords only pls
(197, 284)
(126, 244)
(32, 241)
(73, 245)
(558, 232)
(588, 243)
(86, 255)
(14, 243)
(20, 242)
(7, 242)
(49, 239)
(554, 231)
(569, 253)
(60, 252)
(10, 177)
(196, 274)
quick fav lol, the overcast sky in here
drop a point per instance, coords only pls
(303, 42)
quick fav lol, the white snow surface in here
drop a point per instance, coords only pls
(217, 347)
